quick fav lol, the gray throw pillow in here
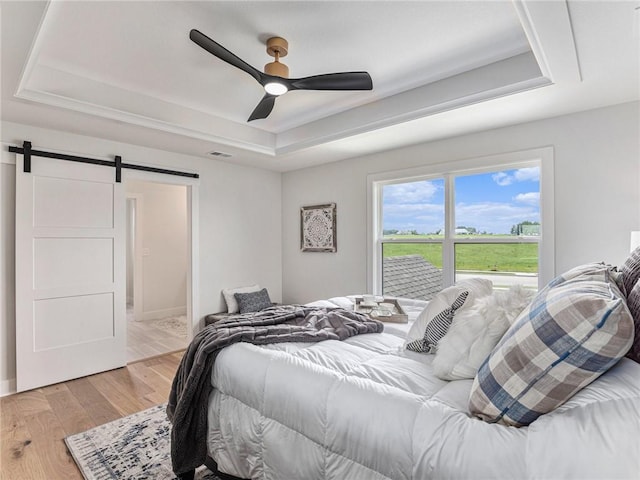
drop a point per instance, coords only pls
(633, 302)
(253, 301)
(630, 270)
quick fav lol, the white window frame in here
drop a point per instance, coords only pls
(542, 157)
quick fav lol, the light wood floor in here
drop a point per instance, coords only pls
(34, 423)
(144, 340)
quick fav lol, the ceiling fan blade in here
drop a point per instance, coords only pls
(333, 81)
(222, 53)
(263, 109)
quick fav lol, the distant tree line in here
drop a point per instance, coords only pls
(524, 228)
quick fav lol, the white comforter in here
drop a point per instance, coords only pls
(366, 409)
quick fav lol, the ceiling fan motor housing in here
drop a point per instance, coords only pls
(277, 47)
(277, 69)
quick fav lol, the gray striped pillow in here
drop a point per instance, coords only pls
(437, 327)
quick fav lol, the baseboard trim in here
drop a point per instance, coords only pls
(7, 387)
(164, 313)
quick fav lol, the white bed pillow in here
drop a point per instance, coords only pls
(476, 331)
(343, 302)
(333, 302)
(477, 288)
(321, 304)
(230, 299)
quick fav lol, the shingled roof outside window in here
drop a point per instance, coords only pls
(410, 276)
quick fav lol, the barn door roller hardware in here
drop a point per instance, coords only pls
(28, 152)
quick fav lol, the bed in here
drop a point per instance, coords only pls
(367, 408)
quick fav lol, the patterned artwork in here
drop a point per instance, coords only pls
(318, 228)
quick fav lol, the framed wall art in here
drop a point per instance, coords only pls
(318, 228)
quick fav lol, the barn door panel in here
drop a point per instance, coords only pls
(70, 260)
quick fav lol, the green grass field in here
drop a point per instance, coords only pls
(496, 257)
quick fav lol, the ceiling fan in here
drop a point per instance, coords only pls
(275, 79)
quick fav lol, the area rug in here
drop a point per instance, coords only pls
(176, 326)
(134, 447)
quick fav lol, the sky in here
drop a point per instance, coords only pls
(489, 202)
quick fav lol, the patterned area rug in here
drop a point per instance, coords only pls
(175, 325)
(134, 447)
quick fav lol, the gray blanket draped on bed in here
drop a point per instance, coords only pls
(187, 406)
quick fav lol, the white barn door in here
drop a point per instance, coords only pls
(70, 271)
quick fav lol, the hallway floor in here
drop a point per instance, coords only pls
(151, 338)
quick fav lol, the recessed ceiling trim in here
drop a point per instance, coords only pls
(506, 77)
(34, 52)
(426, 112)
(512, 75)
(547, 26)
(54, 100)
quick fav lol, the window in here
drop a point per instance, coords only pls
(478, 218)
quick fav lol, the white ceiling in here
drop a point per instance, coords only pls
(127, 71)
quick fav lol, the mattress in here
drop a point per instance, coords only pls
(365, 408)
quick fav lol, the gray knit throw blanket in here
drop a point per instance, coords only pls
(187, 406)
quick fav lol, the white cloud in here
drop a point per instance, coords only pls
(529, 173)
(412, 209)
(425, 218)
(502, 179)
(529, 198)
(410, 193)
(520, 175)
(494, 217)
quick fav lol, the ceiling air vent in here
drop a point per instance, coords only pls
(219, 154)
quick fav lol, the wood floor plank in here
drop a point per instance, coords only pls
(71, 414)
(48, 439)
(34, 423)
(19, 457)
(144, 374)
(33, 402)
(145, 339)
(166, 368)
(99, 409)
(124, 403)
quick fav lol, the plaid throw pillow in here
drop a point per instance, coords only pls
(437, 327)
(572, 332)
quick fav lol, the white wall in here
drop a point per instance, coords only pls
(239, 222)
(7, 277)
(597, 199)
(162, 213)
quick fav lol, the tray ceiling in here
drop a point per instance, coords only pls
(118, 64)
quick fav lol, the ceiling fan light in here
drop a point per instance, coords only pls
(275, 88)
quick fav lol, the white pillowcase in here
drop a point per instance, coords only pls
(230, 299)
(343, 302)
(334, 302)
(476, 331)
(477, 288)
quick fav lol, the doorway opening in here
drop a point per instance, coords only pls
(157, 260)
